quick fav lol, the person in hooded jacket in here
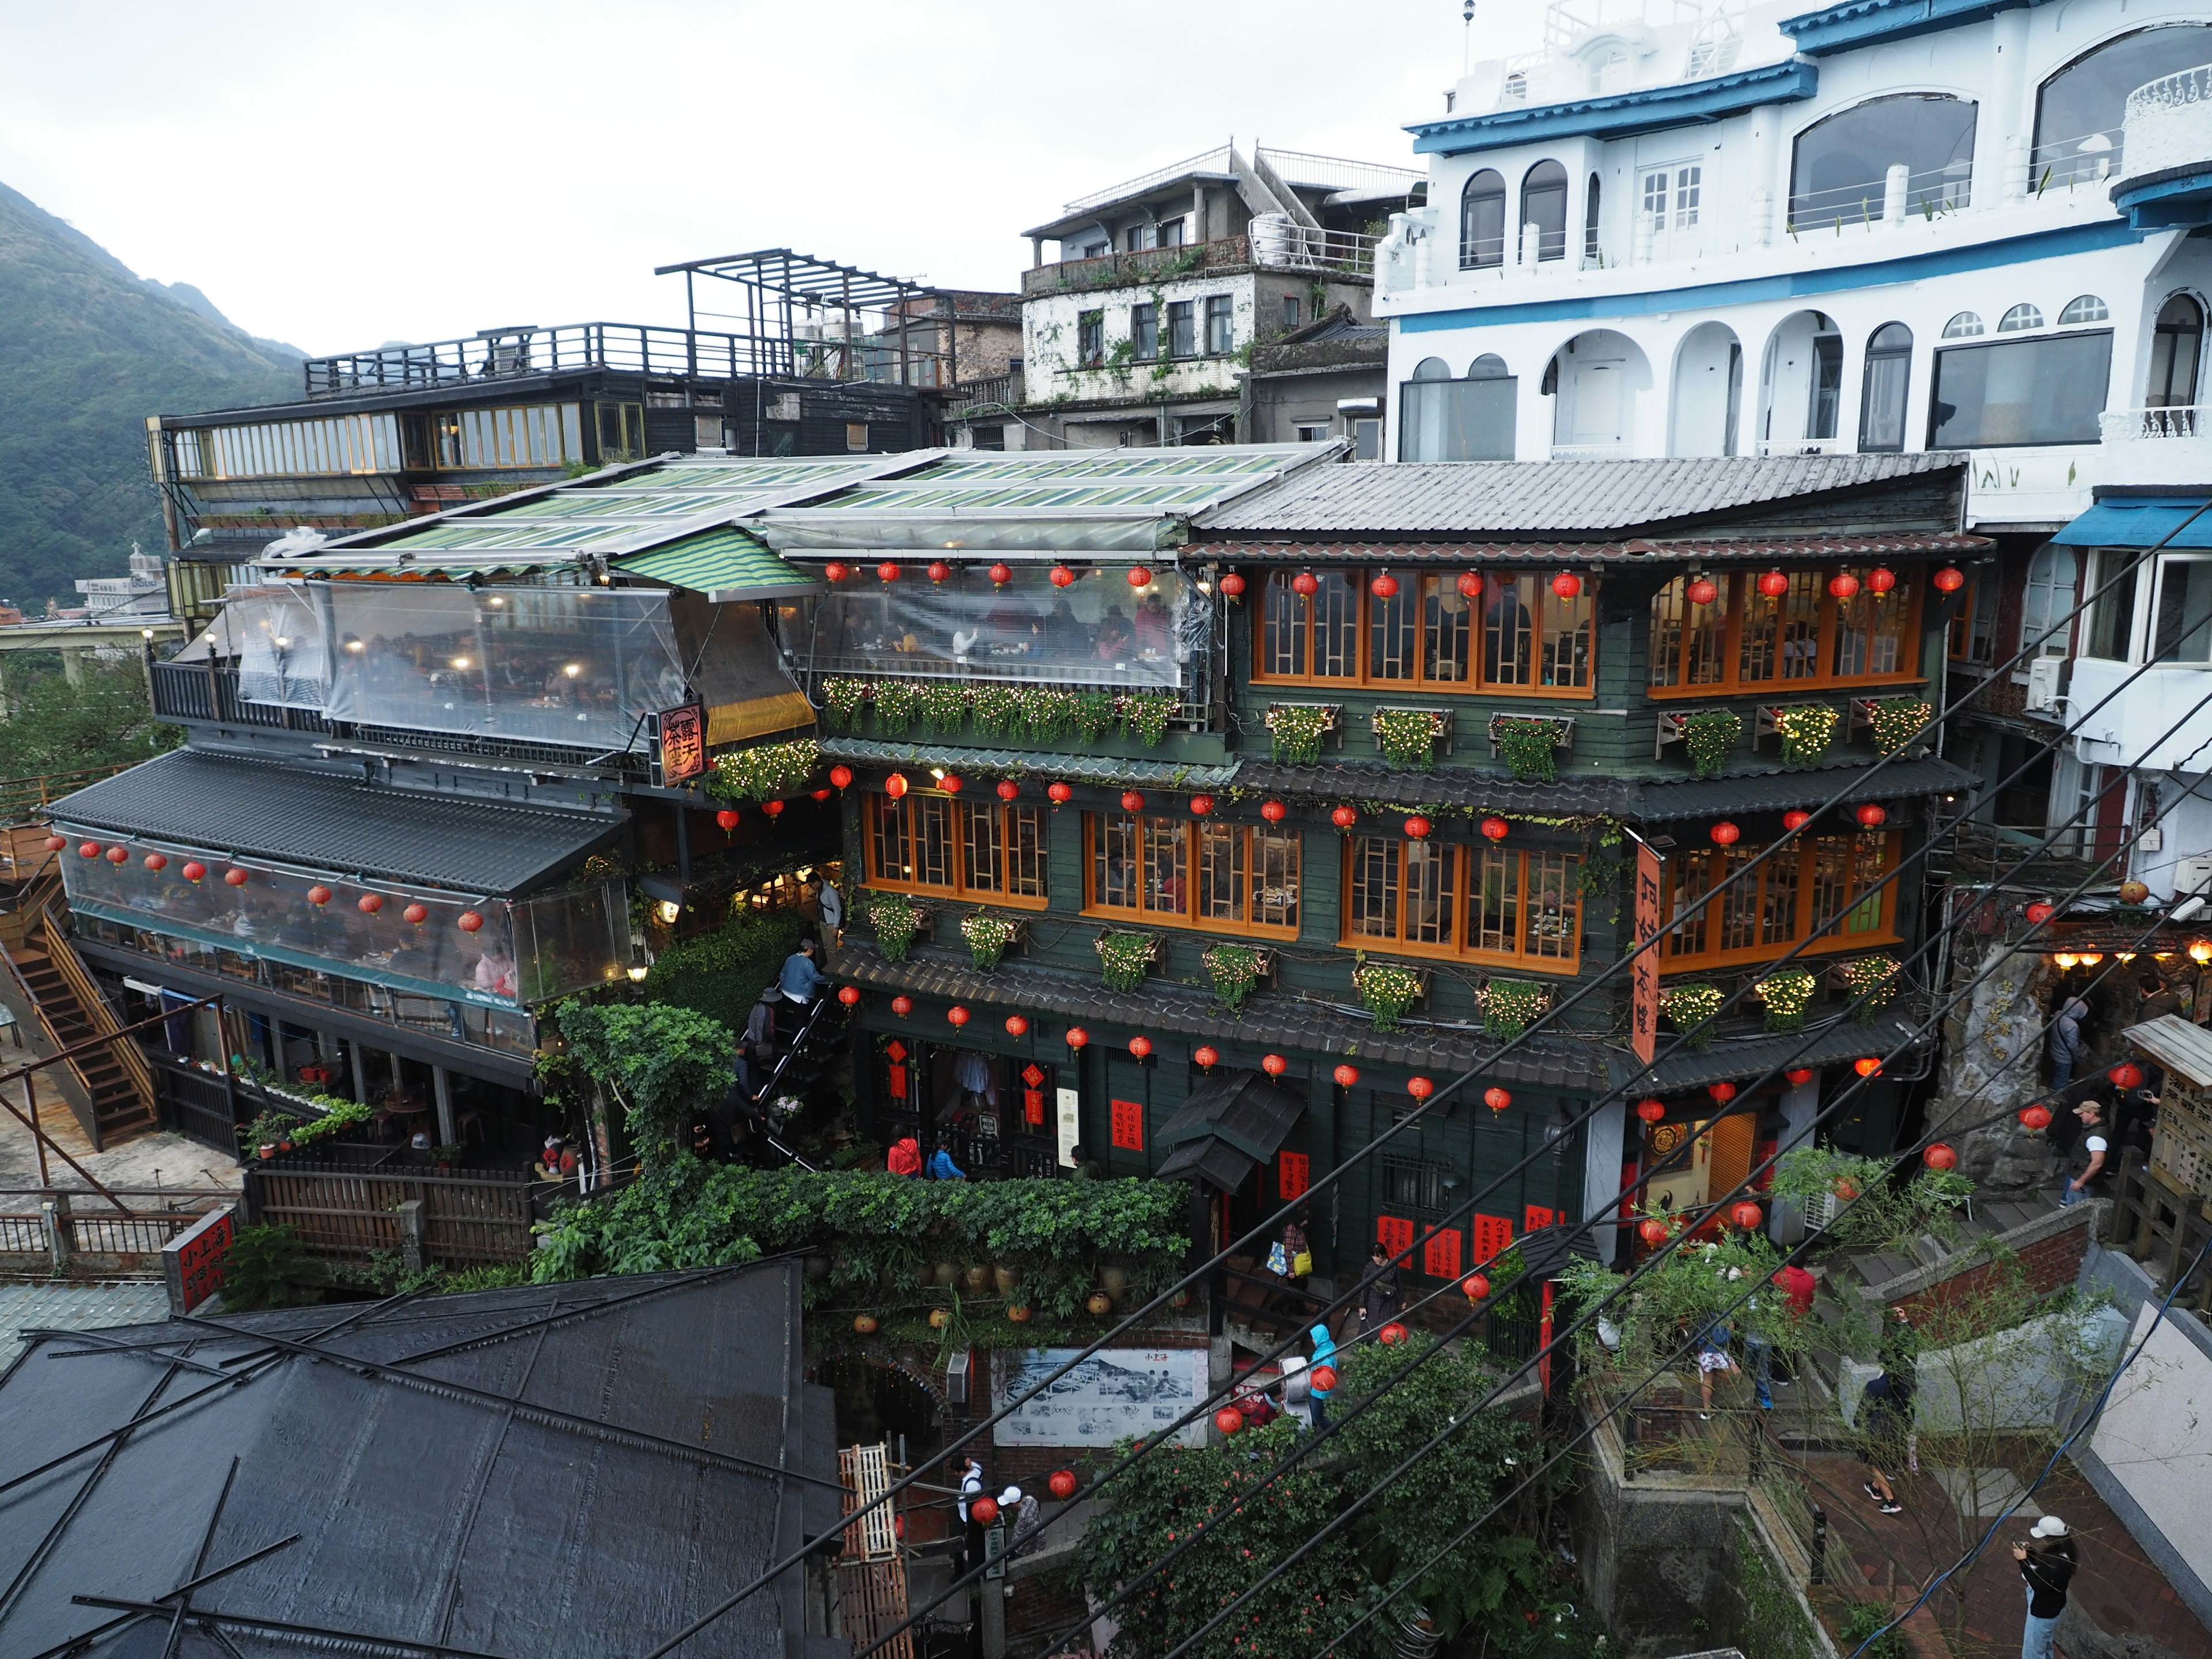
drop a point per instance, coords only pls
(905, 1158)
(1324, 1353)
(2065, 1046)
(942, 1168)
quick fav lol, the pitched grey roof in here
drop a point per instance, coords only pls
(1547, 498)
(331, 822)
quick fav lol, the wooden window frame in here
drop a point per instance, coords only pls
(1411, 592)
(1836, 940)
(1465, 871)
(1188, 916)
(1740, 589)
(875, 804)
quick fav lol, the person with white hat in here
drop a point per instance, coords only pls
(2047, 1562)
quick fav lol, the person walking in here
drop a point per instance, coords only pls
(1379, 1298)
(2089, 1159)
(1884, 1420)
(2047, 1562)
(2065, 1046)
(1324, 1353)
(971, 1529)
(801, 982)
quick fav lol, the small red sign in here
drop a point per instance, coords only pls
(1440, 1254)
(1128, 1126)
(1493, 1236)
(1536, 1216)
(1396, 1235)
(1292, 1170)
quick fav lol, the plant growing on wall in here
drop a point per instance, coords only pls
(771, 770)
(1296, 730)
(1124, 958)
(896, 919)
(1687, 1007)
(1089, 713)
(1145, 716)
(1407, 736)
(1897, 722)
(841, 698)
(1786, 996)
(1869, 982)
(1044, 713)
(1234, 969)
(664, 1065)
(1529, 749)
(1708, 735)
(994, 709)
(944, 707)
(1806, 729)
(1511, 1006)
(898, 704)
(1386, 991)
(988, 937)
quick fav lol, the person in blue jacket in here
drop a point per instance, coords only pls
(942, 1168)
(1324, 1353)
(801, 980)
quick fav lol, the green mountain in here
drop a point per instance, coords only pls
(88, 351)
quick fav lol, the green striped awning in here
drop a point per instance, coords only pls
(726, 564)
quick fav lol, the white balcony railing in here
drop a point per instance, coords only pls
(1801, 446)
(2129, 425)
(2169, 122)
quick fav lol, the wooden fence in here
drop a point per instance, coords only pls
(352, 1209)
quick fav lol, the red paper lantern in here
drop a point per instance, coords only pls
(1495, 829)
(1774, 584)
(1060, 793)
(1703, 590)
(468, 921)
(1949, 579)
(1228, 1419)
(1140, 1047)
(235, 878)
(1476, 1285)
(849, 995)
(1391, 1334)
(1881, 580)
(958, 1015)
(1324, 1377)
(773, 808)
(1274, 1064)
(1843, 585)
(1871, 816)
(1063, 1484)
(1384, 587)
(1017, 1025)
(1347, 1076)
(1419, 1087)
(1201, 805)
(1940, 1156)
(894, 786)
(55, 843)
(841, 776)
(1001, 573)
(1867, 1065)
(1746, 1216)
(888, 571)
(1652, 1231)
(193, 870)
(902, 1007)
(1792, 822)
(1139, 577)
(1344, 817)
(1206, 1055)
(156, 862)
(1800, 1076)
(1232, 584)
(1062, 576)
(2035, 1117)
(1725, 834)
(418, 913)
(2038, 913)
(1008, 789)
(836, 572)
(2126, 1075)
(951, 783)
(369, 904)
(1273, 810)
(1077, 1036)
(1650, 1110)
(1305, 584)
(983, 1511)
(1721, 1092)
(818, 794)
(939, 571)
(89, 849)
(1496, 1099)
(728, 819)
(1418, 827)
(1470, 584)
(119, 855)
(318, 894)
(1567, 584)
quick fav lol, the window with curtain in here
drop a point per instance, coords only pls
(933, 843)
(1194, 873)
(1482, 221)
(1427, 898)
(1804, 639)
(1831, 883)
(1439, 631)
(1888, 381)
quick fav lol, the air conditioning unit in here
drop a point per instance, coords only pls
(2043, 683)
(2193, 876)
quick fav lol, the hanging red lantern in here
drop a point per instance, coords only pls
(1940, 1156)
(894, 786)
(89, 849)
(1799, 1076)
(1470, 584)
(1774, 584)
(1060, 794)
(888, 571)
(469, 921)
(728, 819)
(841, 776)
(1324, 1377)
(1419, 1087)
(156, 862)
(1652, 1231)
(1077, 1036)
(1206, 1057)
(1650, 1110)
(369, 904)
(1008, 789)
(1721, 1092)
(1305, 584)
(1274, 1064)
(1139, 577)
(849, 995)
(1476, 1285)
(2035, 1117)
(119, 855)
(2038, 913)
(55, 843)
(1703, 590)
(1792, 822)
(1344, 817)
(1384, 587)
(1201, 805)
(902, 1007)
(1347, 1076)
(235, 878)
(1131, 801)
(836, 572)
(984, 1511)
(1949, 579)
(1062, 576)
(1273, 810)
(1867, 1065)
(1881, 580)
(1063, 1484)
(2126, 1075)
(1140, 1047)
(1001, 573)
(818, 794)
(418, 913)
(1232, 584)
(1746, 1216)
(1567, 584)
(1725, 834)
(1391, 1334)
(1871, 816)
(1228, 1419)
(958, 1015)
(1017, 1025)
(1496, 1099)
(1418, 827)
(773, 808)
(318, 894)
(939, 571)
(193, 870)
(1495, 829)
(1843, 585)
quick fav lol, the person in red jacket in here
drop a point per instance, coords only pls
(905, 1158)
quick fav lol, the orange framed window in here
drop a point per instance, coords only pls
(1485, 902)
(1831, 887)
(1193, 872)
(932, 843)
(1802, 639)
(1439, 632)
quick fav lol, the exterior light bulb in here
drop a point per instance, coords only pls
(636, 973)
(355, 645)
(572, 669)
(460, 662)
(2065, 958)
(2200, 953)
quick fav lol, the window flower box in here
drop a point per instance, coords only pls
(1529, 744)
(990, 936)
(1413, 737)
(1236, 971)
(1892, 721)
(1299, 729)
(1707, 736)
(1806, 730)
(1125, 957)
(898, 921)
(1511, 1006)
(1387, 989)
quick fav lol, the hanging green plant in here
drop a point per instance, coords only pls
(1234, 969)
(1529, 749)
(1897, 722)
(1296, 730)
(1806, 729)
(1708, 735)
(1687, 1007)
(1786, 996)
(988, 937)
(1123, 959)
(1869, 982)
(994, 708)
(1408, 737)
(944, 707)
(1511, 1006)
(1045, 712)
(764, 772)
(896, 919)
(898, 704)
(841, 698)
(1386, 990)
(1090, 713)
(1145, 716)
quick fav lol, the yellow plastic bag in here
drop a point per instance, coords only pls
(1302, 1264)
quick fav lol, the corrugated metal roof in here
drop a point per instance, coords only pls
(327, 822)
(1545, 498)
(725, 564)
(1703, 550)
(2176, 1044)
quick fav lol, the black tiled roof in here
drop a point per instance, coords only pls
(1736, 1060)
(333, 821)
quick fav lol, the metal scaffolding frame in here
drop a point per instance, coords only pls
(784, 292)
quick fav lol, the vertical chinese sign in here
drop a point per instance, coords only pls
(682, 732)
(1643, 1004)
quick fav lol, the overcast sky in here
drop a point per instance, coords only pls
(341, 176)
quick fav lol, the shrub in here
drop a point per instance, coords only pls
(722, 973)
(1709, 735)
(1529, 749)
(665, 1064)
(269, 1267)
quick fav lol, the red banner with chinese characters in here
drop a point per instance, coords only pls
(1440, 1254)
(1493, 1236)
(1128, 1119)
(1396, 1234)
(683, 742)
(1291, 1174)
(1644, 1001)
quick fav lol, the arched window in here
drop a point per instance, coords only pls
(2177, 345)
(1964, 327)
(1544, 204)
(2078, 111)
(2083, 308)
(1482, 221)
(1590, 256)
(1839, 166)
(1441, 419)
(1488, 367)
(1888, 380)
(2021, 316)
(1432, 368)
